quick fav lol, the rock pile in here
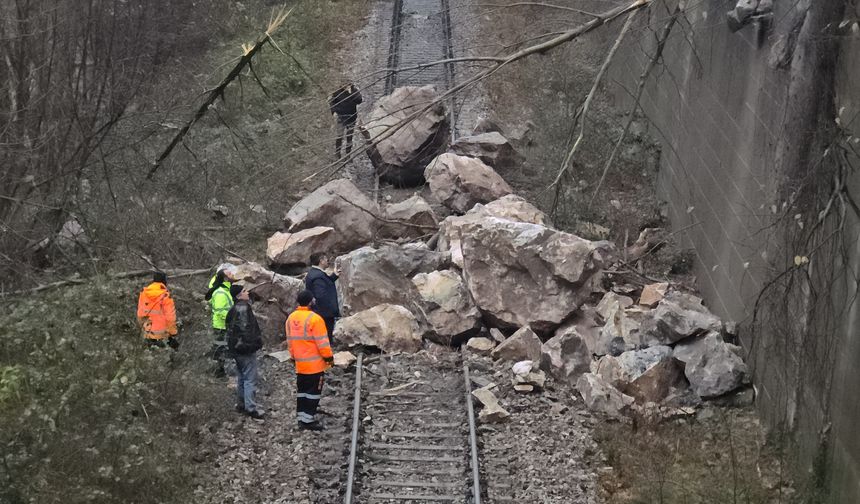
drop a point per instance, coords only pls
(497, 277)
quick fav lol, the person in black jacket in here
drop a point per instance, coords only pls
(243, 340)
(322, 286)
(343, 104)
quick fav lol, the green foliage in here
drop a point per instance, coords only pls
(88, 413)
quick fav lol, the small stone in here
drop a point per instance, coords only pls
(653, 294)
(524, 388)
(344, 359)
(497, 335)
(480, 345)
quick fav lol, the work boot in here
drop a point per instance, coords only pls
(316, 425)
(256, 414)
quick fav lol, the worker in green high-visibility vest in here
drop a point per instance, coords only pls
(220, 302)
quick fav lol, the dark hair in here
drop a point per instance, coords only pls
(235, 290)
(316, 257)
(159, 276)
(305, 298)
(217, 284)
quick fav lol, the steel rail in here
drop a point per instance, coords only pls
(473, 439)
(356, 421)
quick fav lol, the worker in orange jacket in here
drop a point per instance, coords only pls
(156, 313)
(309, 346)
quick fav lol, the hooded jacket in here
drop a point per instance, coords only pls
(156, 312)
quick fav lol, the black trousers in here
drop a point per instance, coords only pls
(308, 395)
(329, 327)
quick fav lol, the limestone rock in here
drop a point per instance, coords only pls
(343, 359)
(610, 303)
(391, 328)
(492, 411)
(267, 286)
(601, 396)
(341, 205)
(511, 207)
(627, 367)
(621, 332)
(480, 346)
(497, 335)
(400, 157)
(459, 182)
(676, 317)
(528, 275)
(287, 249)
(657, 382)
(370, 277)
(566, 356)
(449, 307)
(584, 325)
(527, 377)
(653, 294)
(492, 148)
(415, 211)
(712, 366)
(522, 345)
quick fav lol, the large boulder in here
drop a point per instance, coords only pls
(712, 366)
(450, 309)
(340, 205)
(528, 275)
(370, 277)
(511, 207)
(583, 324)
(677, 316)
(566, 356)
(522, 345)
(599, 395)
(400, 157)
(295, 249)
(410, 218)
(274, 297)
(391, 328)
(492, 148)
(459, 182)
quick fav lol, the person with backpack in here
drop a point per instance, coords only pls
(244, 339)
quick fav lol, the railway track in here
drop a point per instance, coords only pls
(421, 33)
(414, 436)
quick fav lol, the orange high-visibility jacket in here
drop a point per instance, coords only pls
(308, 341)
(156, 312)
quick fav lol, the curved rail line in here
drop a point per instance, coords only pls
(420, 444)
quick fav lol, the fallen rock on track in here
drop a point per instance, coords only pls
(522, 345)
(391, 328)
(449, 307)
(414, 217)
(712, 366)
(400, 158)
(295, 249)
(526, 274)
(459, 182)
(371, 277)
(492, 148)
(492, 411)
(566, 356)
(340, 205)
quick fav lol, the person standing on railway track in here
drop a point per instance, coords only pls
(307, 339)
(156, 313)
(343, 104)
(322, 286)
(244, 339)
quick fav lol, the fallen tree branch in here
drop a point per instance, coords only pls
(218, 91)
(583, 113)
(179, 273)
(661, 43)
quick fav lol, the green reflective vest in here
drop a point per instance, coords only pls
(220, 302)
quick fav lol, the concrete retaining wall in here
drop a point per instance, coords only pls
(741, 116)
